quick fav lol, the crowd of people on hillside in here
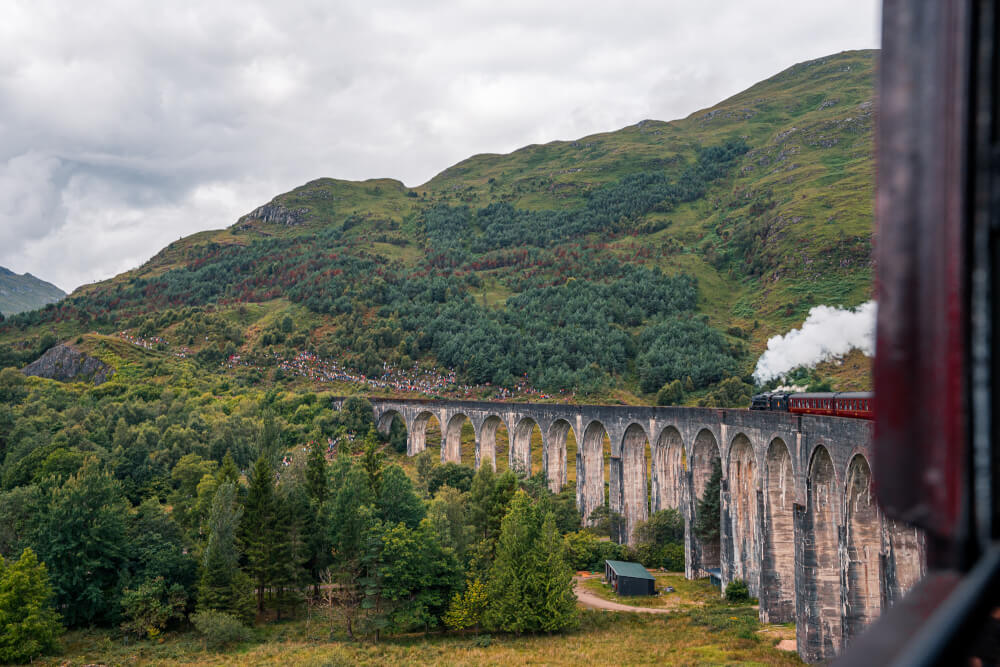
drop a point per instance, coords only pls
(419, 379)
(153, 343)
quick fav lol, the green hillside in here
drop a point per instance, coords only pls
(21, 293)
(601, 268)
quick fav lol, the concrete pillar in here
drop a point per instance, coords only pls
(777, 586)
(554, 456)
(487, 441)
(634, 492)
(819, 605)
(590, 470)
(521, 446)
(416, 434)
(862, 590)
(743, 504)
(451, 440)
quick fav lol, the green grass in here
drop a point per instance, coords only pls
(720, 635)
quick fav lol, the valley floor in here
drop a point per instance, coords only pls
(701, 629)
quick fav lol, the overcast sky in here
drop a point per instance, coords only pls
(125, 125)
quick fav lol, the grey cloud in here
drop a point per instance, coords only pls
(129, 125)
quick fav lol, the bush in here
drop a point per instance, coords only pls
(585, 551)
(219, 629)
(673, 557)
(152, 606)
(737, 591)
(672, 393)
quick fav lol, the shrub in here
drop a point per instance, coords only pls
(219, 629)
(466, 609)
(673, 557)
(672, 393)
(737, 591)
(152, 606)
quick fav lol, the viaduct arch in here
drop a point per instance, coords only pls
(798, 520)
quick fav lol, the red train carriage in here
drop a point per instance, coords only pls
(858, 404)
(855, 404)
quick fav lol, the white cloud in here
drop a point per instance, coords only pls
(149, 107)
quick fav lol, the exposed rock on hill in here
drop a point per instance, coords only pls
(67, 364)
(276, 214)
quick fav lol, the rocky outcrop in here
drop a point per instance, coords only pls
(274, 213)
(67, 364)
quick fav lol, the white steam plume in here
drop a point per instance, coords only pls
(826, 334)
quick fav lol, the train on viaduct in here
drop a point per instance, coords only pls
(799, 522)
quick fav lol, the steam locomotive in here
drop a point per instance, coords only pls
(856, 404)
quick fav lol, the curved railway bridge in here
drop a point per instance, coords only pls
(799, 522)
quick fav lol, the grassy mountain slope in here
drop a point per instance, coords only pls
(605, 266)
(21, 293)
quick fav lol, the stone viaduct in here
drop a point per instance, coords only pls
(798, 519)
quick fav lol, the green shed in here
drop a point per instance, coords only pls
(629, 578)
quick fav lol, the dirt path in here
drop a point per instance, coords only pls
(588, 599)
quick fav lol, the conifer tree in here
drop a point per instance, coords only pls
(228, 472)
(317, 475)
(512, 607)
(346, 519)
(316, 537)
(555, 580)
(223, 586)
(530, 588)
(707, 523)
(260, 532)
(289, 552)
(467, 608)
(481, 499)
(371, 461)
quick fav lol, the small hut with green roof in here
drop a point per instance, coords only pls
(629, 578)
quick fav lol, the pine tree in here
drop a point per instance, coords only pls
(512, 608)
(371, 461)
(347, 522)
(227, 472)
(223, 586)
(289, 551)
(481, 499)
(29, 627)
(259, 528)
(555, 580)
(317, 476)
(316, 539)
(530, 588)
(708, 520)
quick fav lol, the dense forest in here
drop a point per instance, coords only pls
(144, 509)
